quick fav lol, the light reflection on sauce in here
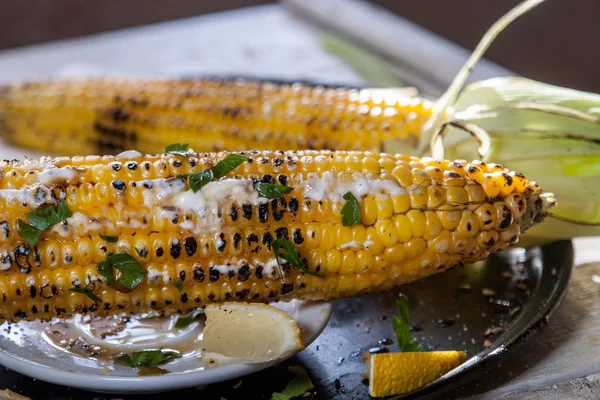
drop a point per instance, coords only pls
(105, 338)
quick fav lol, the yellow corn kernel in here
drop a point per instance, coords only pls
(385, 207)
(441, 243)
(449, 218)
(433, 225)
(387, 233)
(403, 228)
(368, 211)
(486, 213)
(468, 224)
(490, 185)
(401, 203)
(418, 222)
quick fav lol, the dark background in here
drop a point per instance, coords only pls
(558, 42)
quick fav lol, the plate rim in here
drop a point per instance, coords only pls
(153, 383)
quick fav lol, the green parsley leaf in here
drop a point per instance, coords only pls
(401, 324)
(109, 239)
(291, 255)
(299, 385)
(184, 321)
(105, 269)
(227, 164)
(88, 293)
(271, 191)
(199, 179)
(147, 358)
(350, 211)
(219, 170)
(177, 148)
(42, 219)
(45, 217)
(31, 234)
(179, 285)
(132, 273)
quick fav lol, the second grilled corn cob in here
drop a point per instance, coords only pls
(108, 116)
(417, 217)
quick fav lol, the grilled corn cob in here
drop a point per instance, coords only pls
(418, 217)
(109, 116)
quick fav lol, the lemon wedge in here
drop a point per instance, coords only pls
(400, 373)
(241, 333)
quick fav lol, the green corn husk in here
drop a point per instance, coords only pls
(544, 131)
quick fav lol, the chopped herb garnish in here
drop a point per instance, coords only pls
(199, 179)
(227, 164)
(179, 285)
(401, 324)
(147, 358)
(110, 239)
(42, 219)
(88, 293)
(184, 321)
(271, 191)
(132, 273)
(177, 148)
(219, 170)
(291, 255)
(30, 233)
(105, 269)
(350, 211)
(299, 385)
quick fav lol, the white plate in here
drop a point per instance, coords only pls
(27, 350)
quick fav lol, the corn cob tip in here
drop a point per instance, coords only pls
(537, 209)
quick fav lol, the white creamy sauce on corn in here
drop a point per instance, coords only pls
(271, 266)
(157, 191)
(172, 198)
(64, 175)
(355, 244)
(79, 224)
(232, 267)
(333, 187)
(33, 196)
(36, 163)
(129, 154)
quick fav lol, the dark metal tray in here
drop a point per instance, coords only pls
(446, 314)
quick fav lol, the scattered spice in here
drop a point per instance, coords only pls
(378, 350)
(444, 323)
(493, 331)
(521, 285)
(507, 274)
(152, 370)
(238, 385)
(514, 310)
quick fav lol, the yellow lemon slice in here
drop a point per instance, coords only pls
(400, 373)
(240, 333)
